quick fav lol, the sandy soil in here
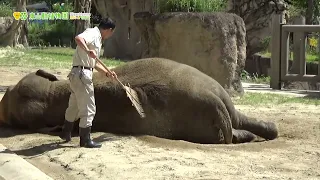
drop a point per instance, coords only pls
(294, 155)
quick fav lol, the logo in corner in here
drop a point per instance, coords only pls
(17, 15)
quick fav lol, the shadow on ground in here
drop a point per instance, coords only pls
(38, 149)
(3, 88)
(108, 137)
(6, 132)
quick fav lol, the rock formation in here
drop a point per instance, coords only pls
(82, 6)
(214, 43)
(126, 41)
(14, 32)
(257, 16)
(255, 13)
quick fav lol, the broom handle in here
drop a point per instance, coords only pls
(108, 69)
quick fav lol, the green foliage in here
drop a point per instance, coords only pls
(191, 5)
(50, 58)
(294, 10)
(254, 78)
(313, 43)
(50, 1)
(309, 56)
(36, 32)
(263, 99)
(300, 3)
(265, 43)
(298, 7)
(57, 32)
(67, 7)
(5, 9)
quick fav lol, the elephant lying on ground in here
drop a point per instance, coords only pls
(180, 102)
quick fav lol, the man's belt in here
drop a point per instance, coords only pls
(83, 67)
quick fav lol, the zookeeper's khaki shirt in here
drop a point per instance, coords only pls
(92, 37)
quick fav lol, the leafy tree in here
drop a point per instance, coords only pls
(8, 38)
(310, 8)
(191, 5)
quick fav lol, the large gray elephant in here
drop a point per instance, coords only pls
(180, 103)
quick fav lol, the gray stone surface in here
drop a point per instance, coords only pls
(14, 167)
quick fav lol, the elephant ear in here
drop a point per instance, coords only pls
(46, 75)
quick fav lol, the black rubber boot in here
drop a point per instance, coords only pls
(66, 131)
(85, 139)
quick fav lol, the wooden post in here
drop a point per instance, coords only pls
(285, 52)
(298, 39)
(318, 56)
(275, 81)
(318, 48)
(303, 66)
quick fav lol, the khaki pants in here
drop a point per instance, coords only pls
(81, 101)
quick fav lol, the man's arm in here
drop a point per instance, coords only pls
(84, 38)
(81, 43)
(101, 69)
(105, 70)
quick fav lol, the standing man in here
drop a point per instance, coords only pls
(82, 100)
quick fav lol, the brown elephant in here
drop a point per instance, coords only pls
(180, 102)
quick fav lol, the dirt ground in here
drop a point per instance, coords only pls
(294, 155)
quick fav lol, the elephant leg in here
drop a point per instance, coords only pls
(266, 130)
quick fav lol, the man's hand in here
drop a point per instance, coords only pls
(92, 53)
(114, 74)
(100, 68)
(111, 74)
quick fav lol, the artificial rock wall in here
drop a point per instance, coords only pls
(126, 41)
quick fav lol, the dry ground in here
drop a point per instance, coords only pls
(294, 155)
